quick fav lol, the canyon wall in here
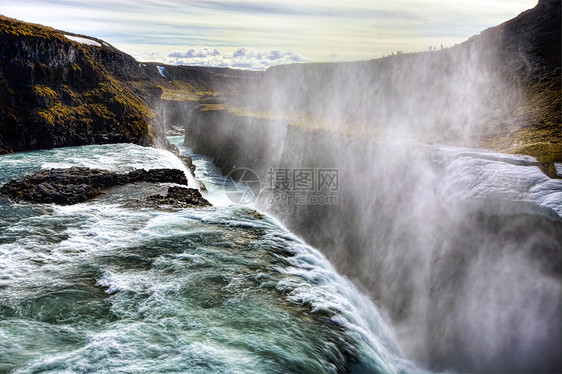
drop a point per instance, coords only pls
(461, 246)
(461, 279)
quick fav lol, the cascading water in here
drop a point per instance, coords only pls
(106, 286)
(461, 246)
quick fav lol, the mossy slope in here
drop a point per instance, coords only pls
(57, 92)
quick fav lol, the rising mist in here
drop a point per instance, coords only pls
(460, 246)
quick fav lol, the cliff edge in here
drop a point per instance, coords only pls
(60, 89)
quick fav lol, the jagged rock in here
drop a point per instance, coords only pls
(257, 215)
(181, 197)
(78, 184)
(188, 162)
(175, 131)
(202, 186)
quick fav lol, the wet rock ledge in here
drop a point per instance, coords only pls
(78, 184)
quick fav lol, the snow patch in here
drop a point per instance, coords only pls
(83, 40)
(161, 71)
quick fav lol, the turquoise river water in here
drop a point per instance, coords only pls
(108, 286)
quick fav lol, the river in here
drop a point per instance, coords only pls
(110, 286)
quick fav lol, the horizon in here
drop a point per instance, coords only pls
(254, 35)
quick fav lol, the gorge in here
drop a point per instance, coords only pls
(445, 221)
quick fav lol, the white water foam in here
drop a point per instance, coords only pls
(114, 157)
(505, 183)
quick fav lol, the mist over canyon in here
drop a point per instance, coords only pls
(443, 213)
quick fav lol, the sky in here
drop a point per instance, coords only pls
(255, 34)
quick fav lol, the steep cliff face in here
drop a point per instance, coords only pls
(471, 284)
(59, 90)
(527, 50)
(498, 90)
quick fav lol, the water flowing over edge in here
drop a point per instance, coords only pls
(103, 286)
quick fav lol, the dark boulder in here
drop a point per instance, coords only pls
(181, 197)
(78, 184)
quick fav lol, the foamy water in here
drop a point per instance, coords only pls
(104, 286)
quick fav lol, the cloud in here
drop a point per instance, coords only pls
(354, 29)
(242, 58)
(195, 53)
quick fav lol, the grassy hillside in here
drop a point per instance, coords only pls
(55, 91)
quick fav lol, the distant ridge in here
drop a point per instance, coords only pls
(56, 92)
